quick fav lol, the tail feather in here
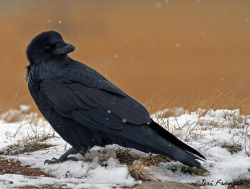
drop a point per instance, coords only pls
(171, 138)
(155, 139)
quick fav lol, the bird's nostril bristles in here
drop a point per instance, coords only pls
(75, 49)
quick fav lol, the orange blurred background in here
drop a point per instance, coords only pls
(171, 53)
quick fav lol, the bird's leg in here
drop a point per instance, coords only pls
(63, 157)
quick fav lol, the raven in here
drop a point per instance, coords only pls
(87, 110)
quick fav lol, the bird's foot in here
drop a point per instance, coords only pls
(54, 160)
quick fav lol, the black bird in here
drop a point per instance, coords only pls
(87, 110)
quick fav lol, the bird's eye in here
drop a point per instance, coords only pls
(47, 48)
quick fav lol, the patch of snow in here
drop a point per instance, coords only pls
(115, 56)
(24, 108)
(158, 5)
(208, 131)
(205, 130)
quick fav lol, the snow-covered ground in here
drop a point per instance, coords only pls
(206, 131)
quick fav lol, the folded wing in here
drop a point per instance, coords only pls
(94, 102)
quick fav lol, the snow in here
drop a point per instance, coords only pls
(158, 5)
(208, 132)
(205, 130)
(115, 56)
(124, 120)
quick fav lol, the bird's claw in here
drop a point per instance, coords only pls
(54, 160)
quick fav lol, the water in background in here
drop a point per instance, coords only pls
(182, 49)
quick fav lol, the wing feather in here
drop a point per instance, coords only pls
(98, 104)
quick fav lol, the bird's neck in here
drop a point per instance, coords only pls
(44, 69)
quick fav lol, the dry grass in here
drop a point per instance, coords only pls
(214, 99)
(32, 140)
(37, 132)
(237, 125)
(32, 146)
(139, 171)
(125, 157)
(138, 166)
(46, 186)
(232, 148)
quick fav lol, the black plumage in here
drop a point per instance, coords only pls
(86, 109)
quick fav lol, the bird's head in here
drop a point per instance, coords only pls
(46, 46)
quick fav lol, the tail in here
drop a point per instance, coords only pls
(190, 155)
(155, 139)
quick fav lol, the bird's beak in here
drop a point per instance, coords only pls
(63, 48)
